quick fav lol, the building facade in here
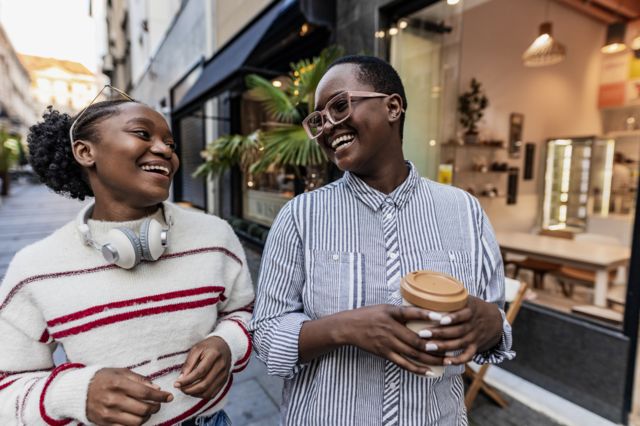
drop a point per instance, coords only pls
(66, 85)
(17, 105)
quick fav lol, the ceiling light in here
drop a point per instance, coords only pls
(403, 24)
(393, 31)
(614, 41)
(545, 50)
(276, 83)
(452, 2)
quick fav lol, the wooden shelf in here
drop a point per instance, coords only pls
(473, 145)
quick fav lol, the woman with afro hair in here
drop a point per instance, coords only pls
(150, 301)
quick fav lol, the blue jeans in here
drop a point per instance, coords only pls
(219, 418)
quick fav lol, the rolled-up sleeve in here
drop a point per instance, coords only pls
(278, 315)
(493, 284)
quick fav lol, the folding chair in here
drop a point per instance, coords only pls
(514, 294)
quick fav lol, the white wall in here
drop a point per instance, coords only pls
(558, 100)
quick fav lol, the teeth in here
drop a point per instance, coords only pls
(148, 168)
(344, 138)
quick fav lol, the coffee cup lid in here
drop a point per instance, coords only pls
(434, 291)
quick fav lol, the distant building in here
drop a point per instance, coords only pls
(68, 86)
(17, 105)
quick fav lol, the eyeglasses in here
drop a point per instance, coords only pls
(120, 92)
(337, 110)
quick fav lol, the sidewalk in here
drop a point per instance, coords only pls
(33, 212)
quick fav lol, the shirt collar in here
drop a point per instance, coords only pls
(374, 198)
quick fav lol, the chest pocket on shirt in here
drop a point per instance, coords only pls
(337, 282)
(452, 262)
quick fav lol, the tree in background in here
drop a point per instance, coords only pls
(10, 152)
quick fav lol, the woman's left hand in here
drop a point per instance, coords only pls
(475, 328)
(206, 369)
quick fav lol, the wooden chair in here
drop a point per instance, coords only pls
(514, 294)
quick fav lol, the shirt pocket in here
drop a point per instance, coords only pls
(336, 283)
(457, 263)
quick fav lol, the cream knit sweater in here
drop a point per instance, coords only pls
(59, 291)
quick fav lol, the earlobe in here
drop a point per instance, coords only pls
(83, 153)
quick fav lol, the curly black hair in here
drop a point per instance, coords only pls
(379, 74)
(50, 149)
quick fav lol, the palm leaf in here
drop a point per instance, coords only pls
(288, 145)
(227, 151)
(275, 100)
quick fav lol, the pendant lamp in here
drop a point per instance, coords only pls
(614, 41)
(545, 50)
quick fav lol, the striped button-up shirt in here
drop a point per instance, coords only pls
(344, 246)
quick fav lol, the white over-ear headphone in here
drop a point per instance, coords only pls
(124, 248)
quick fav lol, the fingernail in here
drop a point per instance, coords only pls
(434, 316)
(176, 385)
(429, 373)
(445, 321)
(430, 347)
(447, 362)
(425, 334)
(170, 398)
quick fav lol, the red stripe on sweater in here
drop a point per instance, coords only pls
(26, 395)
(43, 413)
(42, 277)
(9, 383)
(11, 373)
(130, 302)
(247, 354)
(45, 336)
(246, 308)
(164, 371)
(135, 314)
(203, 250)
(193, 410)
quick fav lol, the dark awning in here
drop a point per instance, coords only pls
(233, 55)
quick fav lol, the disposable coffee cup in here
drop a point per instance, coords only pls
(436, 292)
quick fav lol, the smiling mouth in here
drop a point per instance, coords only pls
(342, 141)
(156, 169)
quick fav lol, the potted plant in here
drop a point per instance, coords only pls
(9, 156)
(471, 105)
(282, 142)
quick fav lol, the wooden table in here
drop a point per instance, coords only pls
(599, 258)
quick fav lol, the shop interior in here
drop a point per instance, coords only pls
(542, 126)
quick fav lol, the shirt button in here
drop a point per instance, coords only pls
(388, 200)
(335, 256)
(389, 216)
(393, 255)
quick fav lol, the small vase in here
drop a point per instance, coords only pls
(470, 138)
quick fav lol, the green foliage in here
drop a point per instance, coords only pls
(471, 105)
(10, 148)
(285, 144)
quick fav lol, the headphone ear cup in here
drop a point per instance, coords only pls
(127, 245)
(151, 239)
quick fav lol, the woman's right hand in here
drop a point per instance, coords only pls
(117, 396)
(381, 330)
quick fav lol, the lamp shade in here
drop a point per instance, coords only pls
(545, 50)
(614, 42)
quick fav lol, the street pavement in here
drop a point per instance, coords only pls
(32, 212)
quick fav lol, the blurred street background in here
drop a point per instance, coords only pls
(532, 106)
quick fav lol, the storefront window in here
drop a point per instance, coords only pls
(424, 49)
(564, 226)
(264, 194)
